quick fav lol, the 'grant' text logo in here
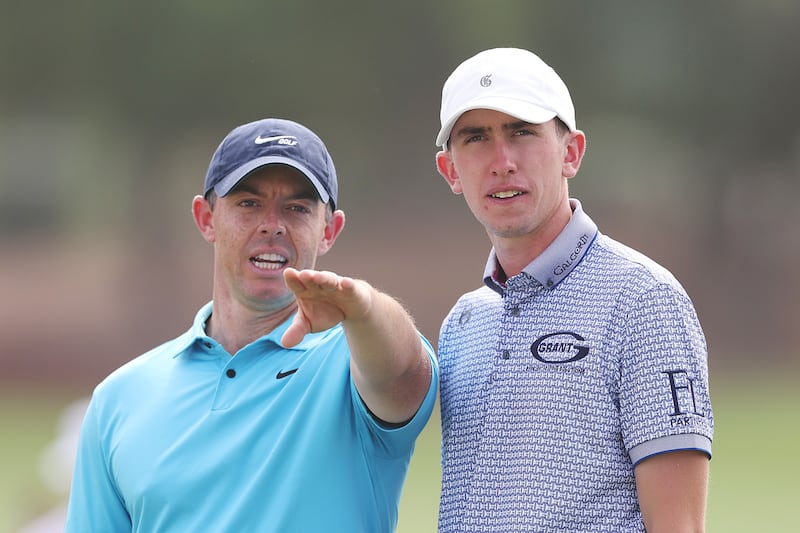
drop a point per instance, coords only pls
(559, 348)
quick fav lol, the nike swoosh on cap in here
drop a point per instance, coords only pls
(262, 140)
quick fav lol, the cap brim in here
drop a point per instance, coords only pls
(226, 184)
(516, 108)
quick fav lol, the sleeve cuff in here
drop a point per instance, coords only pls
(671, 443)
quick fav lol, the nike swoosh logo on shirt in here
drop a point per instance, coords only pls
(262, 140)
(281, 374)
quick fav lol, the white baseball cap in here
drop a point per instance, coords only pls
(509, 80)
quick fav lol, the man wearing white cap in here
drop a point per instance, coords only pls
(574, 381)
(294, 400)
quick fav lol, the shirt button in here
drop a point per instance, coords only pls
(231, 373)
(506, 354)
(515, 311)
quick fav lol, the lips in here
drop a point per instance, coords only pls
(269, 261)
(505, 194)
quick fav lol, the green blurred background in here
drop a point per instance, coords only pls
(109, 113)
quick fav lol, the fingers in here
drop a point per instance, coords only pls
(323, 299)
(316, 280)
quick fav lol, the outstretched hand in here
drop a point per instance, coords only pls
(324, 299)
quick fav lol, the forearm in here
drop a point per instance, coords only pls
(388, 361)
(672, 491)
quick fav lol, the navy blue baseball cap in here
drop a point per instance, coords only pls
(267, 142)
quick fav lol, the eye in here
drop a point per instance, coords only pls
(247, 203)
(474, 138)
(299, 208)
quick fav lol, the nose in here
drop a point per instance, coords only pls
(272, 223)
(503, 161)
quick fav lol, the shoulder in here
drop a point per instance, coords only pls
(472, 314)
(144, 366)
(629, 267)
(480, 298)
(481, 295)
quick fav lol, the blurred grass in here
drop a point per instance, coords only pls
(755, 467)
(28, 420)
(753, 472)
(419, 504)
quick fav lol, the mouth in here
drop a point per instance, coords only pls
(269, 261)
(502, 195)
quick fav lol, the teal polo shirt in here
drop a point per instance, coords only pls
(188, 438)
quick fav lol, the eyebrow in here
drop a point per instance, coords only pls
(468, 130)
(306, 194)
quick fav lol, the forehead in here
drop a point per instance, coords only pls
(485, 118)
(270, 176)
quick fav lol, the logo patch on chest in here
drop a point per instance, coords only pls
(558, 348)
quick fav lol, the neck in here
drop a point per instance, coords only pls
(235, 326)
(515, 253)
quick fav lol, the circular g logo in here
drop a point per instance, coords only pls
(558, 348)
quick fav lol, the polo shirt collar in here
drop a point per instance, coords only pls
(559, 259)
(197, 333)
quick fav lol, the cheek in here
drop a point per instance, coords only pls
(309, 236)
(468, 168)
(228, 231)
(232, 234)
(470, 188)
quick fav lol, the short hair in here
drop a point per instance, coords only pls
(561, 127)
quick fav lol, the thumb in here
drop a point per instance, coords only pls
(296, 330)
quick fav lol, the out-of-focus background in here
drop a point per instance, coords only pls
(109, 113)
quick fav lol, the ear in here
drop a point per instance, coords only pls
(573, 154)
(333, 228)
(203, 218)
(445, 166)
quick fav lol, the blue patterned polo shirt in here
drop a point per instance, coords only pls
(554, 385)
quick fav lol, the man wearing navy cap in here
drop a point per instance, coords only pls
(294, 400)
